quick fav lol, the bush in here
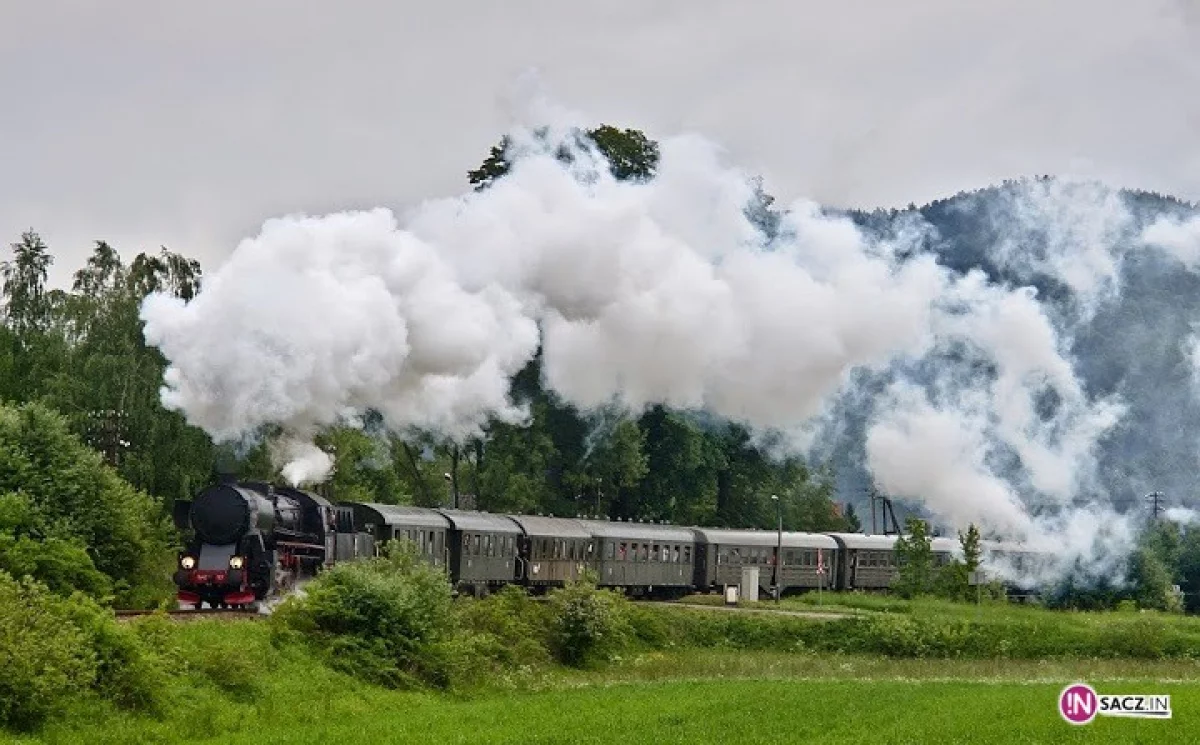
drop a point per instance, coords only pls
(57, 488)
(53, 648)
(508, 630)
(128, 672)
(44, 658)
(589, 625)
(385, 619)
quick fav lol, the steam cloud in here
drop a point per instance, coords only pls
(665, 292)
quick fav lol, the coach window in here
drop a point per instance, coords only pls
(687, 554)
(611, 551)
(476, 540)
(655, 553)
(624, 553)
(675, 554)
(645, 552)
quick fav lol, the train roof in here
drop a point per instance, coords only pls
(550, 527)
(946, 546)
(769, 538)
(857, 541)
(639, 531)
(398, 515)
(481, 521)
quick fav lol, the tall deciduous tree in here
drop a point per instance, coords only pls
(26, 306)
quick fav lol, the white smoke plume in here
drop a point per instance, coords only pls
(1077, 228)
(1178, 238)
(1182, 515)
(640, 293)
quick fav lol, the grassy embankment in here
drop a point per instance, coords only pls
(953, 674)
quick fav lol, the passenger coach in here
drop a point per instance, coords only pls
(810, 560)
(643, 557)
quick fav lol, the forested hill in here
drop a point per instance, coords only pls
(1128, 335)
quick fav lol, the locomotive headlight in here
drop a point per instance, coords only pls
(235, 562)
(187, 562)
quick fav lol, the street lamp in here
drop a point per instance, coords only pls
(778, 544)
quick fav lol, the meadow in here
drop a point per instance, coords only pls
(379, 651)
(710, 676)
(270, 694)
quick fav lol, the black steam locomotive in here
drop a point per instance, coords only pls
(253, 540)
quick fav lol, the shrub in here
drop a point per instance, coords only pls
(588, 625)
(67, 493)
(44, 658)
(128, 672)
(508, 629)
(383, 619)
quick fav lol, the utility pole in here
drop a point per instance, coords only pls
(1154, 498)
(107, 434)
(872, 495)
(778, 545)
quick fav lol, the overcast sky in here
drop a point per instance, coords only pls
(188, 124)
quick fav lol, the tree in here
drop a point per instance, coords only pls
(914, 552)
(24, 291)
(1189, 569)
(1151, 581)
(87, 520)
(971, 547)
(853, 524)
(631, 156)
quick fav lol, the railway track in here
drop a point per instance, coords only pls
(184, 615)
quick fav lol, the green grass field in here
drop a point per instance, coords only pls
(691, 696)
(939, 673)
(912, 710)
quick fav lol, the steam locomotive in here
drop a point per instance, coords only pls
(252, 540)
